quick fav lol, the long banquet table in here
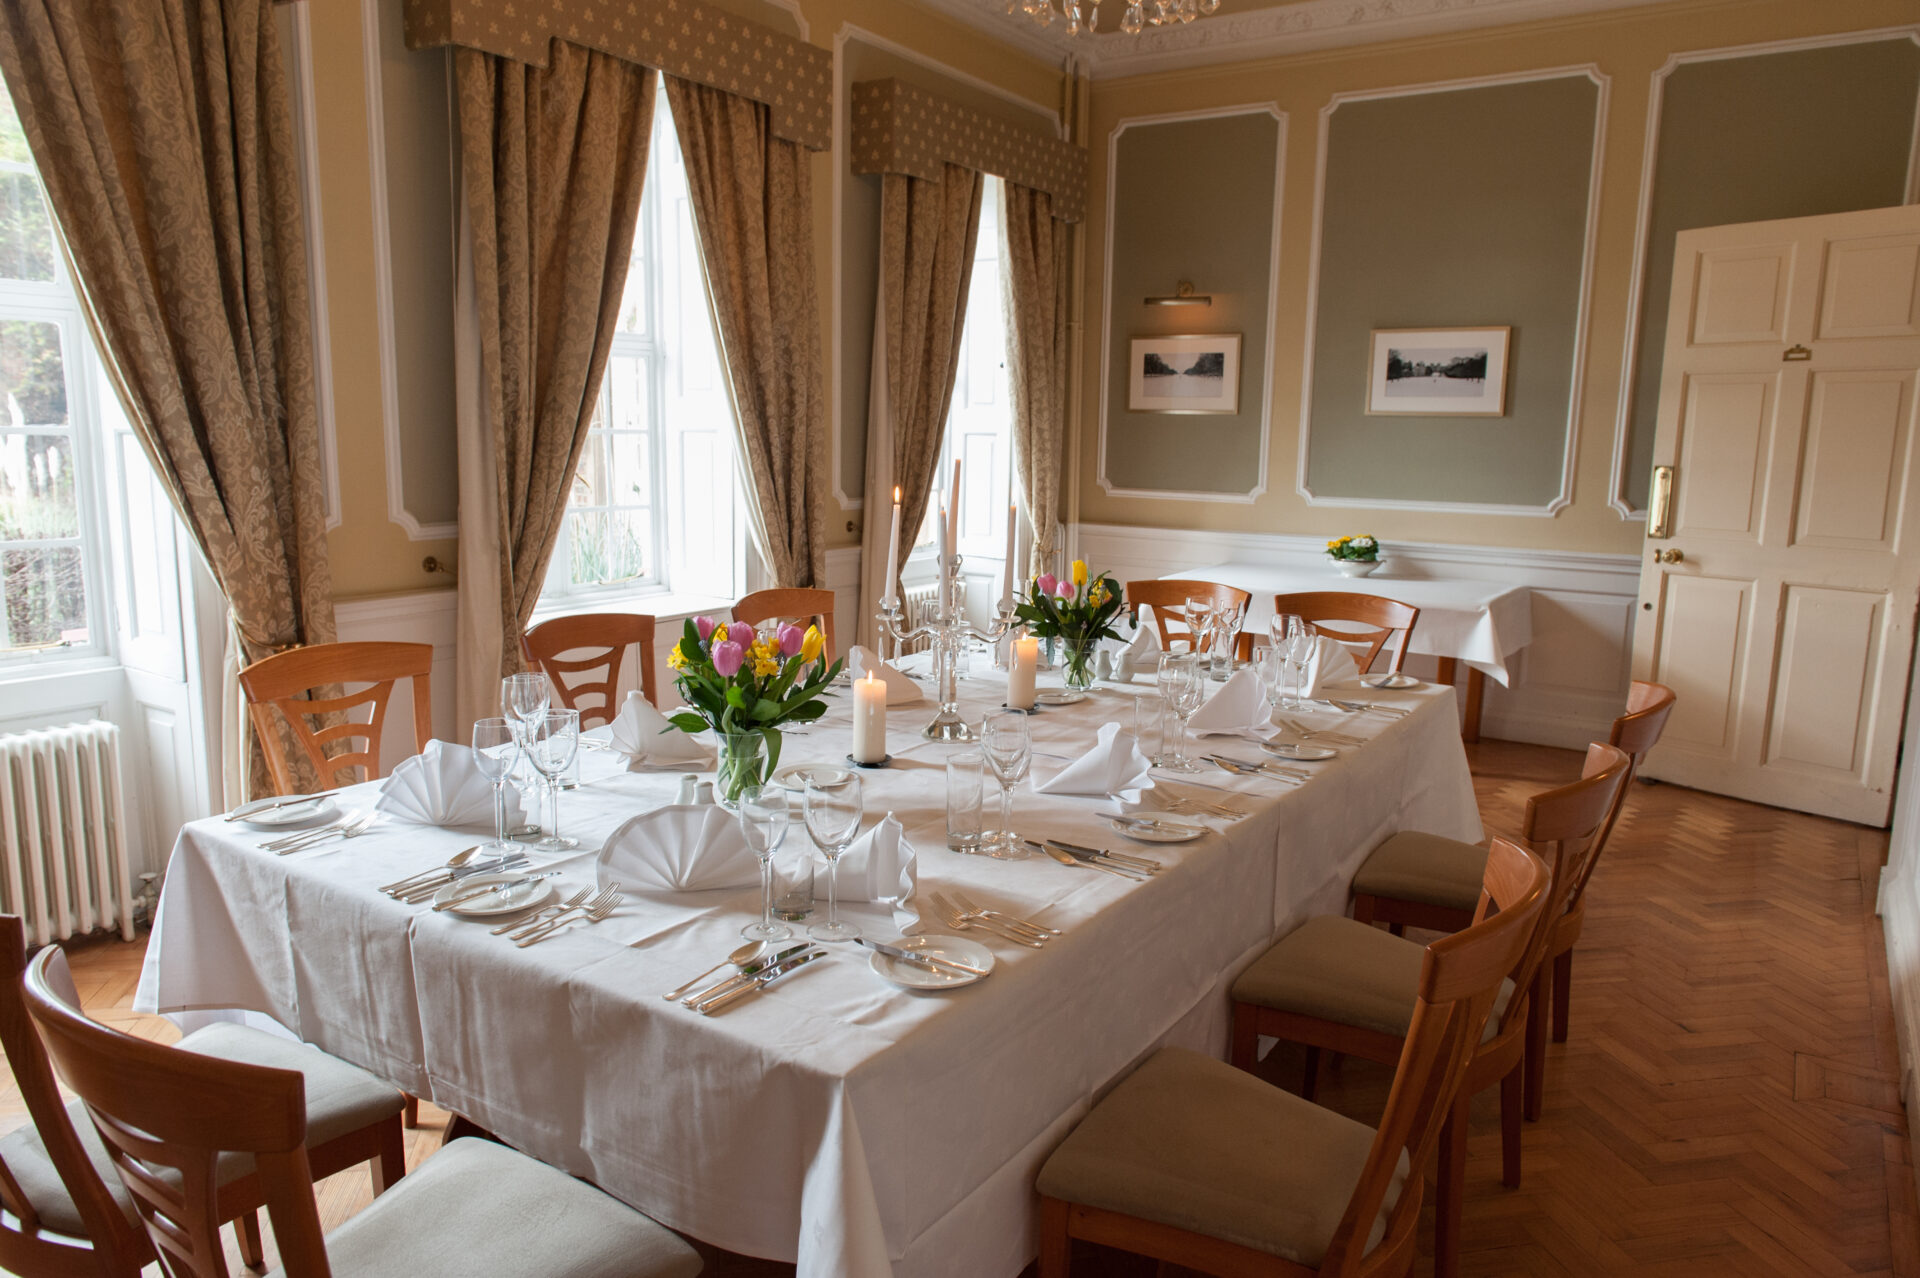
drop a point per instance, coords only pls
(838, 1121)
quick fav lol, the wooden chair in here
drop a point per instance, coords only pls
(1167, 600)
(1369, 621)
(168, 1120)
(608, 635)
(1192, 1161)
(68, 1213)
(286, 680)
(1346, 986)
(798, 604)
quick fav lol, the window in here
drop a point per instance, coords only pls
(49, 543)
(654, 506)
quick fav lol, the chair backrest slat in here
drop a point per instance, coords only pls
(799, 604)
(1367, 621)
(293, 683)
(602, 640)
(1166, 599)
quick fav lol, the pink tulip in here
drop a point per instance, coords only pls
(727, 658)
(1047, 583)
(791, 637)
(1064, 589)
(704, 626)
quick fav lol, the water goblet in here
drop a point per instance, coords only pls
(496, 749)
(552, 740)
(1007, 742)
(1183, 684)
(522, 697)
(763, 822)
(833, 811)
(1199, 613)
(1298, 653)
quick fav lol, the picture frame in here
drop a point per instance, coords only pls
(1438, 372)
(1190, 373)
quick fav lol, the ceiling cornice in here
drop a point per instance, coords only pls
(1273, 31)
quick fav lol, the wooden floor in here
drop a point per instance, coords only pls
(1727, 1103)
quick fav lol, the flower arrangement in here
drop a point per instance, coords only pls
(744, 685)
(1076, 612)
(1362, 549)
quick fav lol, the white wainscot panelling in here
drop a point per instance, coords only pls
(425, 616)
(1568, 685)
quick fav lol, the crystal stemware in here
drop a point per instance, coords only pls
(1182, 682)
(1008, 744)
(1298, 652)
(524, 696)
(496, 749)
(552, 739)
(834, 808)
(1199, 613)
(763, 822)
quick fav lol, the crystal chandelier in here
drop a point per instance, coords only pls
(1084, 15)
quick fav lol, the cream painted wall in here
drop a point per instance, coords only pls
(1628, 46)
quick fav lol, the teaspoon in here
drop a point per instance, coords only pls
(739, 958)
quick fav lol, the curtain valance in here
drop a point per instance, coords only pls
(898, 128)
(685, 38)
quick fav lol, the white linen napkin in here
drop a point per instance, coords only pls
(649, 740)
(1330, 664)
(900, 689)
(1239, 708)
(680, 848)
(882, 866)
(442, 785)
(1114, 767)
(1142, 656)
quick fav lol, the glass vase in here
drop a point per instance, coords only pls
(1077, 663)
(745, 762)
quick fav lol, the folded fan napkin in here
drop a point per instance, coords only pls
(1239, 708)
(1114, 766)
(648, 740)
(442, 785)
(689, 847)
(899, 688)
(1142, 656)
(1330, 664)
(882, 866)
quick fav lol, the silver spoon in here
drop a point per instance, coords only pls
(739, 958)
(453, 862)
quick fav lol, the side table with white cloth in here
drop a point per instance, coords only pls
(835, 1120)
(1463, 621)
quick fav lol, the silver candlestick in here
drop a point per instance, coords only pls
(947, 634)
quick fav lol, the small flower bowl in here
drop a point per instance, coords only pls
(1356, 567)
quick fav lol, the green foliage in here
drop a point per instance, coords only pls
(745, 701)
(1079, 620)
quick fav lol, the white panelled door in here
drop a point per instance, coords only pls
(1779, 592)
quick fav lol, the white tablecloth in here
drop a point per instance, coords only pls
(836, 1120)
(1479, 622)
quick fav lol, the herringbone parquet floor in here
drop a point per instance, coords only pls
(1727, 1104)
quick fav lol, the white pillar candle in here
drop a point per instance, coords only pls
(1006, 589)
(869, 720)
(891, 593)
(953, 511)
(1021, 668)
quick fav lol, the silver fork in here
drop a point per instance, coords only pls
(545, 913)
(301, 836)
(352, 829)
(593, 915)
(956, 919)
(1038, 929)
(536, 930)
(1198, 807)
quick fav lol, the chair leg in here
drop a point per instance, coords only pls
(1398, 929)
(246, 1232)
(1512, 1102)
(1363, 908)
(1449, 1190)
(411, 1114)
(1562, 991)
(1246, 1037)
(391, 1163)
(1056, 1246)
(1310, 1077)
(1536, 1063)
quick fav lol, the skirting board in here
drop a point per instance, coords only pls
(1568, 684)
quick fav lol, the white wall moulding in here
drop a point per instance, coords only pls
(1575, 320)
(1256, 322)
(1569, 684)
(1642, 306)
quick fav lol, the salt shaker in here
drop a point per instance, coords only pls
(705, 793)
(689, 789)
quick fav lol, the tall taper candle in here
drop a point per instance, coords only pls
(1006, 589)
(946, 552)
(953, 511)
(869, 720)
(892, 588)
(1022, 665)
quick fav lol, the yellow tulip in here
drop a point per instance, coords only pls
(1079, 572)
(811, 645)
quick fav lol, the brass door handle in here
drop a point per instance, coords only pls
(1669, 556)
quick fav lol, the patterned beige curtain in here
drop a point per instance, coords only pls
(163, 133)
(553, 159)
(1035, 281)
(753, 206)
(927, 236)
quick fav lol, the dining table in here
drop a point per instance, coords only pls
(835, 1120)
(1465, 622)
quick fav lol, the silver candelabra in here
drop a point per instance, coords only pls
(948, 633)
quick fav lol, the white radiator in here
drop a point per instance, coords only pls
(921, 604)
(63, 832)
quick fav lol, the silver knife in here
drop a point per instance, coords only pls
(932, 962)
(747, 973)
(760, 981)
(1145, 863)
(1092, 857)
(248, 814)
(492, 888)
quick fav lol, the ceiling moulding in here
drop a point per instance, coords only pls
(1272, 31)
(901, 129)
(686, 38)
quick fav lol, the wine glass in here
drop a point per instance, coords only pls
(763, 821)
(496, 749)
(1298, 652)
(1008, 744)
(552, 740)
(1283, 624)
(1182, 683)
(522, 697)
(833, 809)
(1270, 664)
(1199, 612)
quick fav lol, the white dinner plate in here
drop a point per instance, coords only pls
(1402, 680)
(511, 901)
(1166, 828)
(915, 977)
(262, 815)
(796, 775)
(1293, 750)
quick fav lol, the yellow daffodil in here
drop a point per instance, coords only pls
(676, 659)
(1079, 572)
(719, 636)
(764, 666)
(1098, 595)
(811, 645)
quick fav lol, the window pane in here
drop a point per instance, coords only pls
(46, 596)
(607, 546)
(33, 374)
(37, 498)
(26, 232)
(632, 469)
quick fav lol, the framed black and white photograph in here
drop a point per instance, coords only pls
(1438, 372)
(1185, 374)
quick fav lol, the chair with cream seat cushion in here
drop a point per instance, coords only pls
(1342, 985)
(1191, 1161)
(169, 1118)
(60, 1172)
